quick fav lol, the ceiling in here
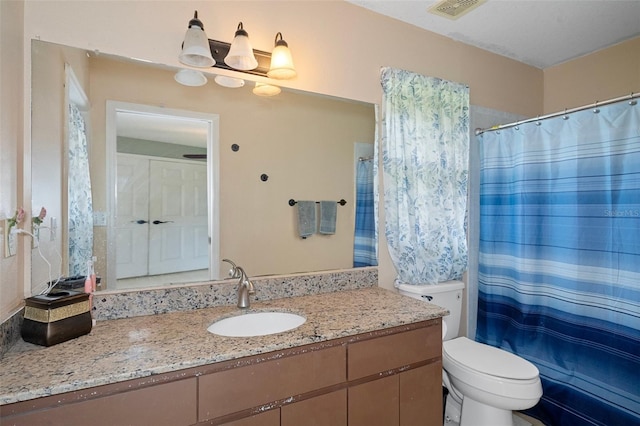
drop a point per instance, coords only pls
(162, 128)
(540, 33)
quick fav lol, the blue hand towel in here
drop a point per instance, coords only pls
(328, 212)
(306, 218)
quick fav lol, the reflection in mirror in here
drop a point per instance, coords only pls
(306, 145)
(162, 195)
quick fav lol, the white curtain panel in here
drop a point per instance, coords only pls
(80, 200)
(425, 144)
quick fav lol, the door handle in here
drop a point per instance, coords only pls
(139, 221)
(158, 222)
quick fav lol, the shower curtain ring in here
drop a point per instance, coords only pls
(596, 109)
(565, 116)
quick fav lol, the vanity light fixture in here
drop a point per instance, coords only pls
(263, 89)
(240, 56)
(281, 61)
(237, 56)
(195, 49)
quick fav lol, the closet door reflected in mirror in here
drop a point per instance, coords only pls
(162, 217)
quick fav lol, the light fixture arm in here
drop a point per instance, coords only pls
(195, 21)
(240, 31)
(279, 41)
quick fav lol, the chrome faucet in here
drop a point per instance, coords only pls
(245, 286)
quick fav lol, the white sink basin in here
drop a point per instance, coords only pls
(256, 324)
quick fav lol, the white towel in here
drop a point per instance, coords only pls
(328, 213)
(306, 218)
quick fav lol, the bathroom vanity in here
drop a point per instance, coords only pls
(363, 357)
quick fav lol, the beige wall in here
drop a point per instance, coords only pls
(602, 75)
(11, 148)
(48, 115)
(338, 50)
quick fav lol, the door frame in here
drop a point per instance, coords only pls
(213, 181)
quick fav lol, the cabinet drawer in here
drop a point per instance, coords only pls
(170, 404)
(396, 350)
(234, 390)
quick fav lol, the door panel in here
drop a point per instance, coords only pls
(178, 231)
(133, 206)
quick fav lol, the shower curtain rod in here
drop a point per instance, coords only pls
(630, 97)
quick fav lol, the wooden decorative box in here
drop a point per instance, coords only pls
(56, 317)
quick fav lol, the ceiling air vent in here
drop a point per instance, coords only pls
(453, 9)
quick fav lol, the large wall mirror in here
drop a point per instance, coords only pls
(220, 164)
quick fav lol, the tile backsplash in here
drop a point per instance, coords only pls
(125, 304)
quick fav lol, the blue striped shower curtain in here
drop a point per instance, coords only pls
(559, 269)
(364, 244)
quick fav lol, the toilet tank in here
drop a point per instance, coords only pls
(446, 294)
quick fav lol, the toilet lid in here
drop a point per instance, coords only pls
(488, 359)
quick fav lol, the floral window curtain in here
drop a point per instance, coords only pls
(80, 202)
(425, 152)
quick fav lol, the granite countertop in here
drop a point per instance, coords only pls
(124, 349)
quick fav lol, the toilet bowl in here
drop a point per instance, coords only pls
(485, 383)
(492, 382)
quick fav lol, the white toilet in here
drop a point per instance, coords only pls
(485, 383)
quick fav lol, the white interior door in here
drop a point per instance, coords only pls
(178, 229)
(132, 228)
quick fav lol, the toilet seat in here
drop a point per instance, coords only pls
(488, 360)
(491, 375)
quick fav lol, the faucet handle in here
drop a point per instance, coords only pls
(250, 287)
(233, 272)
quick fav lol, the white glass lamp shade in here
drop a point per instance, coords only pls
(195, 49)
(263, 89)
(230, 82)
(240, 56)
(281, 61)
(188, 77)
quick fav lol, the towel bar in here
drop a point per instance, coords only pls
(293, 202)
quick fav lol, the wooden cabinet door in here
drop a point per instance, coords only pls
(375, 403)
(269, 418)
(324, 410)
(421, 396)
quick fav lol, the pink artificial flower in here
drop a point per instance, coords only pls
(17, 218)
(38, 219)
(20, 215)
